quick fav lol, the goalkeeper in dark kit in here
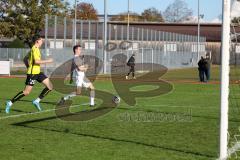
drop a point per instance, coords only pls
(131, 64)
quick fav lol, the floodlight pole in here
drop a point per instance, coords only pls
(225, 79)
(128, 20)
(198, 37)
(75, 23)
(105, 38)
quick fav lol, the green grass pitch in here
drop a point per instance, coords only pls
(181, 125)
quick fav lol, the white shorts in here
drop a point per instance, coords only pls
(82, 82)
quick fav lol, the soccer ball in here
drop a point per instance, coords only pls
(116, 99)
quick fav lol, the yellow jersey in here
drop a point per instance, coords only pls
(34, 55)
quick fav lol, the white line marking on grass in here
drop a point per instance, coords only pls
(45, 111)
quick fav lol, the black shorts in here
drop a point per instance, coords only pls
(132, 69)
(31, 78)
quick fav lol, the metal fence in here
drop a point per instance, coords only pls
(150, 46)
(143, 55)
(60, 32)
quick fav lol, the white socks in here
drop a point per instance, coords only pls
(92, 95)
(92, 101)
(10, 103)
(37, 100)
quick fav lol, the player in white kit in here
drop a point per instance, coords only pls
(81, 80)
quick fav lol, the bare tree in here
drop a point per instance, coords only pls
(133, 17)
(178, 11)
(152, 15)
(236, 20)
(235, 11)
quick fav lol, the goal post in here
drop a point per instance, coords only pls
(225, 51)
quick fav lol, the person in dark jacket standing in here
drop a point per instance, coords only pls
(131, 64)
(201, 69)
(207, 67)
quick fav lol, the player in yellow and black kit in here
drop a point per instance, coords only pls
(34, 74)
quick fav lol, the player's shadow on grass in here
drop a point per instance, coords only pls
(66, 115)
(67, 131)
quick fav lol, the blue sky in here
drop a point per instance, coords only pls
(210, 8)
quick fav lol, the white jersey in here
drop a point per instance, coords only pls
(81, 79)
(78, 61)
